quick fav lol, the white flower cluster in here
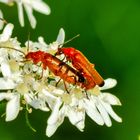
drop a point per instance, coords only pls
(22, 87)
(29, 6)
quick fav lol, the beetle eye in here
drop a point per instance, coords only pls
(81, 79)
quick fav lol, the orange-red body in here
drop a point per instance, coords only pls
(59, 68)
(82, 64)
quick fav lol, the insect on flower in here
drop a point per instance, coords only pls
(61, 69)
(82, 64)
(56, 66)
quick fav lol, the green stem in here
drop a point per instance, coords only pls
(27, 119)
(3, 115)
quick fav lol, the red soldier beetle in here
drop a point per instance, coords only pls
(82, 64)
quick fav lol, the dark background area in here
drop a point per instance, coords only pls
(110, 38)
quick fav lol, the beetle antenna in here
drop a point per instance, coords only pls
(28, 41)
(14, 49)
(69, 40)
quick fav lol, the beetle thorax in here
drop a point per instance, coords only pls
(69, 52)
(35, 56)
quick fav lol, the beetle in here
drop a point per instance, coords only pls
(82, 64)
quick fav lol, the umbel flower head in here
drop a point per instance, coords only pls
(24, 87)
(29, 6)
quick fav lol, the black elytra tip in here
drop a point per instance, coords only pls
(101, 84)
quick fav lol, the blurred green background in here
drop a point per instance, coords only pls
(110, 38)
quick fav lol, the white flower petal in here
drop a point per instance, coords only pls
(6, 95)
(5, 69)
(109, 98)
(81, 124)
(58, 91)
(41, 7)
(41, 40)
(76, 117)
(36, 103)
(12, 108)
(31, 5)
(92, 112)
(5, 1)
(109, 83)
(7, 32)
(50, 99)
(20, 13)
(6, 84)
(30, 15)
(111, 112)
(104, 114)
(1, 22)
(2, 96)
(51, 128)
(55, 112)
(61, 36)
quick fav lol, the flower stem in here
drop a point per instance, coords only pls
(3, 115)
(27, 119)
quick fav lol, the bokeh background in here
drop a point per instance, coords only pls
(110, 38)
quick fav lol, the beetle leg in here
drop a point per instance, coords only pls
(41, 76)
(65, 87)
(86, 94)
(58, 82)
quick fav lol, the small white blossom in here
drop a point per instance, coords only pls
(59, 40)
(95, 104)
(39, 45)
(7, 32)
(29, 6)
(43, 46)
(13, 105)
